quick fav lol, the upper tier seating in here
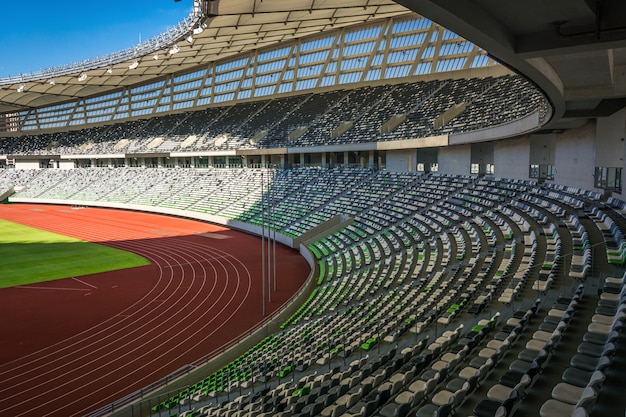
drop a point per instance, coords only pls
(269, 123)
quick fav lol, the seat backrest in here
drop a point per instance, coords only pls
(443, 410)
(596, 380)
(459, 396)
(509, 402)
(580, 412)
(588, 398)
(338, 410)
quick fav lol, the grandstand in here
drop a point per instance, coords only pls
(464, 222)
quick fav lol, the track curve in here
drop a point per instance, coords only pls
(87, 341)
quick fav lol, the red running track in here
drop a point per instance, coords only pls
(72, 346)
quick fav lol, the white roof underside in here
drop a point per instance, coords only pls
(232, 27)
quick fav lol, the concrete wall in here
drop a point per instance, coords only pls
(511, 158)
(575, 157)
(542, 149)
(66, 164)
(401, 161)
(482, 153)
(610, 133)
(26, 164)
(455, 159)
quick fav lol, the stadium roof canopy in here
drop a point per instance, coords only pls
(574, 50)
(215, 29)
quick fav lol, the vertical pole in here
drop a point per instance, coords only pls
(274, 212)
(262, 244)
(269, 242)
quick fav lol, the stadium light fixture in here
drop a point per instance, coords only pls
(174, 49)
(82, 77)
(51, 82)
(133, 65)
(155, 57)
(21, 88)
(199, 29)
(189, 39)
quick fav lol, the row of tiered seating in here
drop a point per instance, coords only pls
(583, 380)
(423, 254)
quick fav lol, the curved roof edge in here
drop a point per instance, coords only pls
(574, 53)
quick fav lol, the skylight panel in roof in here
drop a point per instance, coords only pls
(450, 64)
(190, 76)
(328, 81)
(262, 79)
(360, 34)
(423, 68)
(244, 94)
(402, 56)
(354, 63)
(264, 91)
(147, 87)
(274, 54)
(449, 35)
(314, 57)
(185, 105)
(204, 101)
(226, 66)
(410, 25)
(397, 71)
(310, 70)
(321, 43)
(141, 112)
(415, 39)
(226, 86)
(358, 49)
(305, 84)
(350, 77)
(99, 105)
(225, 76)
(187, 86)
(220, 98)
(429, 52)
(373, 75)
(270, 66)
(285, 88)
(185, 96)
(480, 61)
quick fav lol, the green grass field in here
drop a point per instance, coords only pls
(29, 255)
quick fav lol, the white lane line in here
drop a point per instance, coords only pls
(86, 283)
(52, 288)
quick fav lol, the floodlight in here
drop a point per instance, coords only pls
(155, 57)
(21, 88)
(82, 77)
(51, 82)
(133, 65)
(110, 70)
(199, 29)
(189, 39)
(174, 50)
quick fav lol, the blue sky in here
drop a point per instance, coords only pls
(38, 34)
